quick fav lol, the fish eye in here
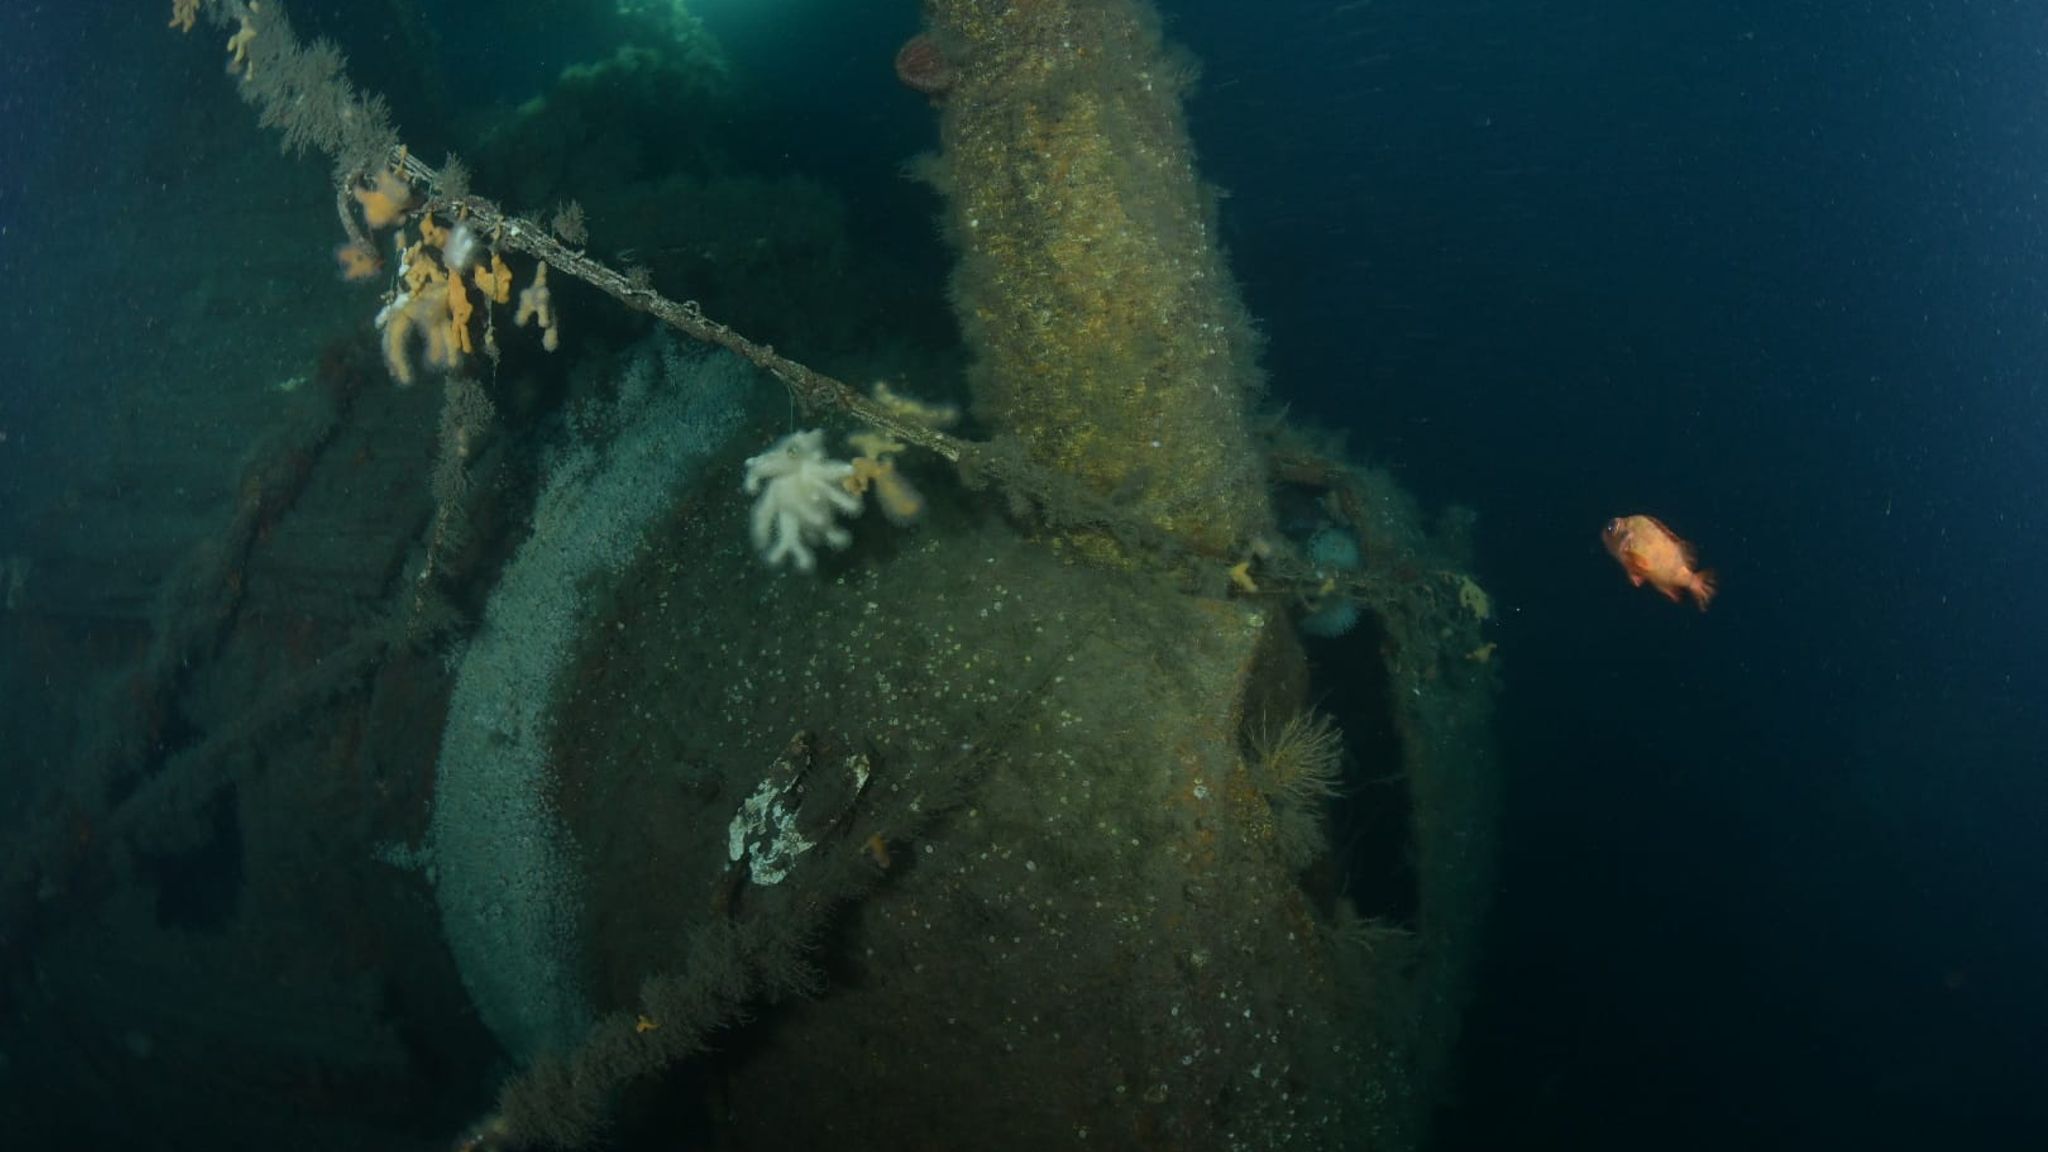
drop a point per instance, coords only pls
(1612, 524)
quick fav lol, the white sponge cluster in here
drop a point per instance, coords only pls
(801, 493)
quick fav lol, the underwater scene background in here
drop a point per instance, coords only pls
(1021, 573)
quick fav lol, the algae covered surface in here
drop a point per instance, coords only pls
(1080, 921)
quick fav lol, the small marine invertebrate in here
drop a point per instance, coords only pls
(914, 410)
(459, 312)
(434, 297)
(1331, 617)
(1333, 549)
(875, 468)
(568, 223)
(495, 281)
(921, 65)
(358, 259)
(386, 200)
(238, 44)
(1301, 760)
(1472, 598)
(876, 849)
(424, 310)
(460, 247)
(536, 305)
(431, 303)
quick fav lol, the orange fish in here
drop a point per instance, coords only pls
(1651, 552)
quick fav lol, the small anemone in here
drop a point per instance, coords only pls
(922, 65)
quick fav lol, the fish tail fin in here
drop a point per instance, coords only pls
(1704, 586)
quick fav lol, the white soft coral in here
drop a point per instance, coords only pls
(802, 495)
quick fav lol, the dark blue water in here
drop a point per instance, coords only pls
(1773, 273)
